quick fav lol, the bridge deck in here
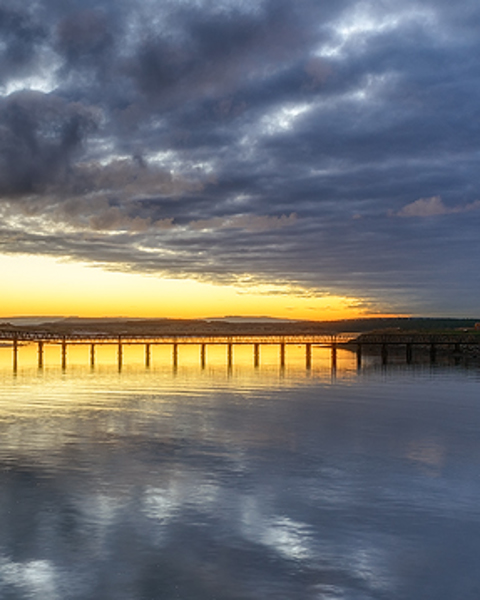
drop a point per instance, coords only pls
(89, 337)
(108, 338)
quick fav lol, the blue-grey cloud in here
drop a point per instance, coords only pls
(277, 139)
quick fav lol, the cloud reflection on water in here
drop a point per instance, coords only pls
(148, 484)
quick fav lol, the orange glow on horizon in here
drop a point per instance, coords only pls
(34, 285)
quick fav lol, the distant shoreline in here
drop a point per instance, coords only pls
(238, 326)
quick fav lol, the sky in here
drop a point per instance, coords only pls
(294, 158)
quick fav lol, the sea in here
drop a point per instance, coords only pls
(312, 481)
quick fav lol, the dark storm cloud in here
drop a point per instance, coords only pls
(21, 36)
(331, 145)
(39, 135)
(85, 40)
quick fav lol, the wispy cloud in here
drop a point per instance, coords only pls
(434, 206)
(246, 222)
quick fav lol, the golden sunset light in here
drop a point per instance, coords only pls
(46, 286)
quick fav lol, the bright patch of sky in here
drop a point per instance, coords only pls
(366, 20)
(171, 161)
(107, 160)
(43, 80)
(370, 89)
(283, 119)
(168, 159)
(45, 83)
(240, 199)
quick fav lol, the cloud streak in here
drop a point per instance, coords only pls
(433, 207)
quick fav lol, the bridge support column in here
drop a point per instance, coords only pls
(409, 351)
(203, 355)
(457, 354)
(230, 355)
(384, 354)
(433, 353)
(175, 355)
(282, 355)
(308, 356)
(92, 355)
(120, 353)
(256, 355)
(40, 355)
(359, 356)
(64, 354)
(147, 355)
(15, 354)
(334, 356)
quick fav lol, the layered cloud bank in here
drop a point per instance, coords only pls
(272, 141)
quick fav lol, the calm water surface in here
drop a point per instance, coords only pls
(238, 484)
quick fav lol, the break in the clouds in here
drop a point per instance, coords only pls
(275, 141)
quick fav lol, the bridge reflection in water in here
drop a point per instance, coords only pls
(121, 343)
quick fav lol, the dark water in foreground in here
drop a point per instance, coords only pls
(251, 484)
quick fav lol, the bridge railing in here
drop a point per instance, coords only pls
(128, 338)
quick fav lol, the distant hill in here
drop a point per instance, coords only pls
(403, 324)
(235, 325)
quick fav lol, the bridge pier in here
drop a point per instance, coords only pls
(15, 354)
(175, 355)
(308, 356)
(203, 355)
(282, 355)
(433, 353)
(64, 354)
(120, 353)
(147, 355)
(457, 354)
(92, 355)
(359, 356)
(384, 353)
(334, 356)
(256, 355)
(409, 353)
(40, 355)
(230, 355)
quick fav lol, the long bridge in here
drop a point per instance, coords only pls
(16, 338)
(354, 341)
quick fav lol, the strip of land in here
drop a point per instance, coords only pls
(245, 327)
